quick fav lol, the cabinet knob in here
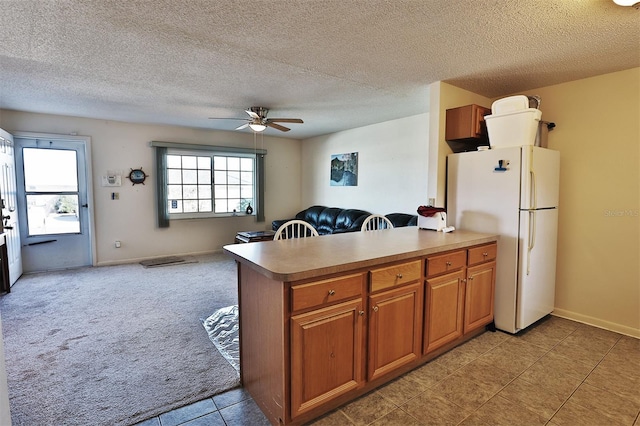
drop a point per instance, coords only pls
(361, 313)
(375, 309)
(399, 275)
(448, 263)
(470, 278)
(485, 254)
(332, 292)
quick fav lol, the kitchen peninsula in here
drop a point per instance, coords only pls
(324, 320)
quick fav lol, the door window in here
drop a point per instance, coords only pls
(51, 190)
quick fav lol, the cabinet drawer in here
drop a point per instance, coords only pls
(447, 262)
(327, 291)
(394, 276)
(482, 254)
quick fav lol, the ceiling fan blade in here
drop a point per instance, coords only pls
(286, 120)
(277, 126)
(225, 118)
(252, 114)
(244, 126)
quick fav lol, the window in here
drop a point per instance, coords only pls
(204, 181)
(209, 184)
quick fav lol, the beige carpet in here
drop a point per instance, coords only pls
(115, 345)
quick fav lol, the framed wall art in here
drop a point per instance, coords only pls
(344, 169)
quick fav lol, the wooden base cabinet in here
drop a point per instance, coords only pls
(311, 342)
(326, 354)
(395, 329)
(444, 313)
(479, 296)
(459, 295)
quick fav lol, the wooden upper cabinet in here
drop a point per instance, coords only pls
(466, 122)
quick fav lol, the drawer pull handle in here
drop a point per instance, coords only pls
(448, 263)
(399, 275)
(485, 254)
(375, 309)
(332, 292)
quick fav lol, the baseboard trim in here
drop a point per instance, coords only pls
(140, 259)
(596, 322)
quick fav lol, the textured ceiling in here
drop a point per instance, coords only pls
(336, 64)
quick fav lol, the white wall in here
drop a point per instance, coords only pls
(131, 219)
(392, 167)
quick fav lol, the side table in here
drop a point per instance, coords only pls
(254, 236)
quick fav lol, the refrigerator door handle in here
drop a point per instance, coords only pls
(534, 195)
(532, 238)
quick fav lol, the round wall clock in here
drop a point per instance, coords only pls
(137, 176)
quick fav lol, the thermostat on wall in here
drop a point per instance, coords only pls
(112, 180)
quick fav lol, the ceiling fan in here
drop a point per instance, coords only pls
(258, 121)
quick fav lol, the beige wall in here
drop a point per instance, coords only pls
(392, 167)
(443, 97)
(131, 219)
(598, 136)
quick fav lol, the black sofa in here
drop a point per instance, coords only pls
(402, 219)
(335, 220)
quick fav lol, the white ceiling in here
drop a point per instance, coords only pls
(336, 64)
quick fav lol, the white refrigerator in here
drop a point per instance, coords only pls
(513, 192)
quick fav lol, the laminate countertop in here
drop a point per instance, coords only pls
(303, 258)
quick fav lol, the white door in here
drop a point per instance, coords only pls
(540, 178)
(8, 203)
(53, 204)
(537, 265)
(483, 199)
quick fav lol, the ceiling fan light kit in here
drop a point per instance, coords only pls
(258, 121)
(633, 3)
(256, 127)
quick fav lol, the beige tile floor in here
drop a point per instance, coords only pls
(558, 372)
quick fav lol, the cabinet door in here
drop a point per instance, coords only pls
(395, 329)
(444, 310)
(479, 296)
(480, 126)
(466, 122)
(326, 354)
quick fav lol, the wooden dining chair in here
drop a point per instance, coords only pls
(295, 229)
(375, 222)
